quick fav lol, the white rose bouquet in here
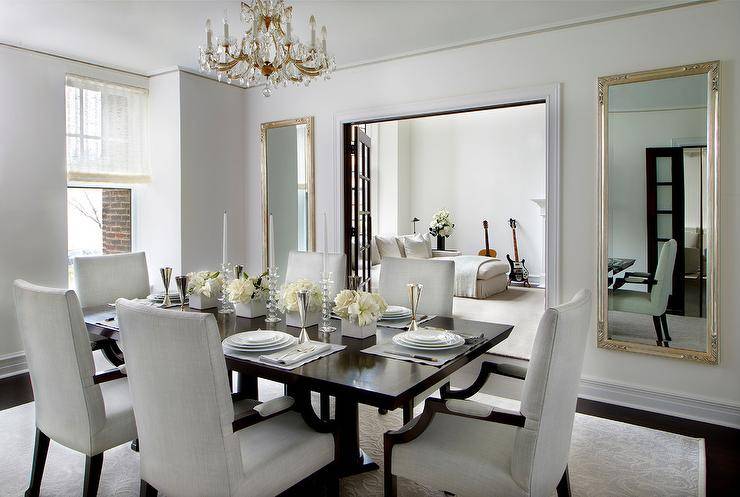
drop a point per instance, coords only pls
(205, 283)
(288, 301)
(245, 289)
(441, 224)
(363, 307)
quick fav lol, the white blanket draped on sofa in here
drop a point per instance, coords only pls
(466, 274)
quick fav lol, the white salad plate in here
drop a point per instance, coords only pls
(246, 343)
(257, 337)
(451, 343)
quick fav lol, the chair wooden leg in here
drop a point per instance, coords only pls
(390, 485)
(146, 490)
(332, 481)
(324, 407)
(39, 461)
(564, 485)
(382, 411)
(666, 336)
(93, 465)
(658, 331)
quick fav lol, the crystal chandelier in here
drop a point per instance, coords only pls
(268, 53)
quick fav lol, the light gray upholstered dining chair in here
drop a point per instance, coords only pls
(473, 448)
(191, 444)
(309, 265)
(101, 279)
(654, 302)
(438, 278)
(76, 407)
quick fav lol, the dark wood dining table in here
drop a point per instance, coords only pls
(351, 376)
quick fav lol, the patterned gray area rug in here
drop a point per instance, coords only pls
(607, 459)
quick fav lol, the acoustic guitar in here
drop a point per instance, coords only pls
(518, 273)
(488, 251)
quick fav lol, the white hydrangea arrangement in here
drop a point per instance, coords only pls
(205, 283)
(288, 301)
(246, 289)
(441, 224)
(364, 308)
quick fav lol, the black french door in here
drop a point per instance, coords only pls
(357, 219)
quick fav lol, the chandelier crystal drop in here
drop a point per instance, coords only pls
(268, 53)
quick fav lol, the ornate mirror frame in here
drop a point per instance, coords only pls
(711, 69)
(308, 121)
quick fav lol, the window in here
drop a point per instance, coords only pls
(106, 132)
(106, 143)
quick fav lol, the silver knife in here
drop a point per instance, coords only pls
(413, 356)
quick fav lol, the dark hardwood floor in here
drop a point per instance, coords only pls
(722, 444)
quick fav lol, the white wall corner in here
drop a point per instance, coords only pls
(668, 403)
(13, 364)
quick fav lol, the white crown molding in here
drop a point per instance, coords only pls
(668, 403)
(13, 364)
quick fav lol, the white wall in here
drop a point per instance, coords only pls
(212, 173)
(33, 179)
(482, 165)
(575, 57)
(157, 204)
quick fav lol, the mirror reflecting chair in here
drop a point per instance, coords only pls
(75, 407)
(659, 176)
(475, 448)
(438, 278)
(654, 301)
(192, 443)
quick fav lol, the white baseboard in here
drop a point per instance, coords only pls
(13, 364)
(708, 411)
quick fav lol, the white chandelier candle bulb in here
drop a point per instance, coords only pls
(268, 53)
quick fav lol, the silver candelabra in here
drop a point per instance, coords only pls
(273, 295)
(326, 283)
(226, 275)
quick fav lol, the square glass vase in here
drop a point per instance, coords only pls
(203, 302)
(293, 319)
(352, 329)
(251, 309)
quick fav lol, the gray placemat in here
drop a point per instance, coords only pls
(255, 356)
(441, 357)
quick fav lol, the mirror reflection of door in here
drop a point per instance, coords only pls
(657, 210)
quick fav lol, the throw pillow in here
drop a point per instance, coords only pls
(387, 246)
(416, 247)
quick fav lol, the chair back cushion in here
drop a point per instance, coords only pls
(438, 278)
(69, 406)
(101, 279)
(664, 275)
(549, 396)
(310, 264)
(180, 393)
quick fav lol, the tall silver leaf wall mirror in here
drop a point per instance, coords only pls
(288, 188)
(658, 260)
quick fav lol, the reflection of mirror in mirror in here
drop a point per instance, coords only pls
(288, 183)
(657, 246)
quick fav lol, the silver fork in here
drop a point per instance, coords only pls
(299, 350)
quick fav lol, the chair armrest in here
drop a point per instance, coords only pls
(110, 375)
(487, 369)
(464, 409)
(263, 411)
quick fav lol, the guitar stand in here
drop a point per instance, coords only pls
(524, 283)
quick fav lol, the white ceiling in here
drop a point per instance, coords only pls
(148, 36)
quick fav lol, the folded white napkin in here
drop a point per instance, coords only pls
(296, 354)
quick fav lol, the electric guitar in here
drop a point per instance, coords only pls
(517, 272)
(488, 251)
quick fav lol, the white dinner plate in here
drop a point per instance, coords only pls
(454, 342)
(429, 336)
(396, 310)
(265, 348)
(257, 337)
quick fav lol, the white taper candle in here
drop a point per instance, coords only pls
(270, 242)
(224, 243)
(326, 243)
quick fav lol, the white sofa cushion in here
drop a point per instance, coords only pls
(388, 246)
(416, 247)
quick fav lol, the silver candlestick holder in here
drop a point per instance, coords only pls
(414, 290)
(272, 295)
(166, 274)
(303, 301)
(326, 286)
(227, 274)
